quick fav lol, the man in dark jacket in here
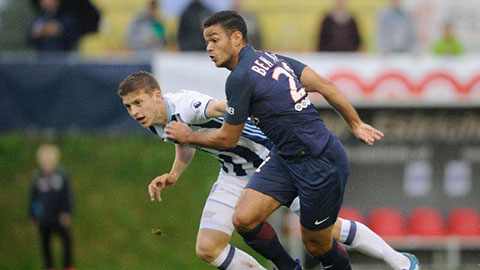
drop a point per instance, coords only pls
(53, 29)
(51, 204)
(190, 30)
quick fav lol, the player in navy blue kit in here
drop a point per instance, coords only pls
(307, 160)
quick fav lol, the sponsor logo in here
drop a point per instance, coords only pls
(303, 104)
(231, 110)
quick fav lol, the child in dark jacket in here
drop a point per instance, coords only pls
(51, 203)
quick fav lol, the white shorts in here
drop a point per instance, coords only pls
(220, 205)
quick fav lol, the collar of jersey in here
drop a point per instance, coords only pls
(169, 111)
(244, 51)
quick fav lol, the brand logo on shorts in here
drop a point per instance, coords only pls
(231, 110)
(318, 222)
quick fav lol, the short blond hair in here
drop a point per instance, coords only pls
(140, 80)
(48, 148)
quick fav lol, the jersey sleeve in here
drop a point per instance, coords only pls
(239, 92)
(296, 65)
(193, 107)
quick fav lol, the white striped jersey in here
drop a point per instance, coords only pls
(190, 107)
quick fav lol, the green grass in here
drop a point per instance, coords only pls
(113, 213)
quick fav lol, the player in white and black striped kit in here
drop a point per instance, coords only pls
(144, 101)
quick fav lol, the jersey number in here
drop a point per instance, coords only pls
(296, 93)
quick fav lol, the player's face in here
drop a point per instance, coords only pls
(219, 46)
(146, 109)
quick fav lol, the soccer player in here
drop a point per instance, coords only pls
(144, 101)
(306, 161)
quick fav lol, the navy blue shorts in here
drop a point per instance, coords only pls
(318, 181)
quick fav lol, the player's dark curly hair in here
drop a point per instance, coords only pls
(230, 20)
(139, 80)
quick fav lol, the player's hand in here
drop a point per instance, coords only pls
(159, 184)
(179, 132)
(367, 134)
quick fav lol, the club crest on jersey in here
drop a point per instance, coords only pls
(196, 105)
(255, 120)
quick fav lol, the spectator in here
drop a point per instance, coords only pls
(53, 28)
(395, 29)
(190, 31)
(146, 31)
(51, 204)
(87, 15)
(339, 31)
(448, 43)
(253, 35)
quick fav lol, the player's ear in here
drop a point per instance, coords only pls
(158, 95)
(237, 38)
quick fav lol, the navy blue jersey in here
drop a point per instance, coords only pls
(266, 87)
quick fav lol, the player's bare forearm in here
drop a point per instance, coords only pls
(313, 82)
(225, 137)
(183, 156)
(339, 102)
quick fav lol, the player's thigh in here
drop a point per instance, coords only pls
(321, 184)
(253, 208)
(319, 241)
(337, 229)
(271, 183)
(269, 187)
(220, 204)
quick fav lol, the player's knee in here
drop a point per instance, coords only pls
(243, 223)
(316, 249)
(206, 251)
(316, 246)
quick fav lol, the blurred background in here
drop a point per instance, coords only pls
(410, 67)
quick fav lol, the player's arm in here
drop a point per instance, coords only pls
(313, 82)
(225, 137)
(216, 108)
(238, 91)
(183, 156)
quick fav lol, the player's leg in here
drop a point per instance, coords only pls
(258, 201)
(214, 248)
(216, 227)
(361, 238)
(249, 220)
(322, 246)
(321, 184)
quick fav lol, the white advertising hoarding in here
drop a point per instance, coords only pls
(367, 80)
